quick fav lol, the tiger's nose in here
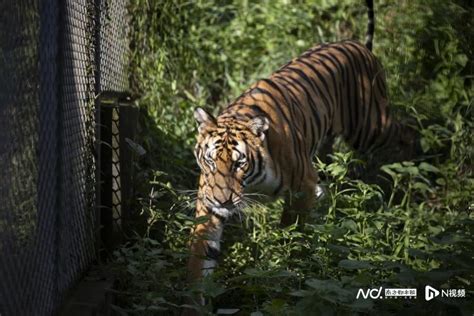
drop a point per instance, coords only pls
(230, 203)
(226, 204)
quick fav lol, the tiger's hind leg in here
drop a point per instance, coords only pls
(299, 202)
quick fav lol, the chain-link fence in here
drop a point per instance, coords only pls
(56, 58)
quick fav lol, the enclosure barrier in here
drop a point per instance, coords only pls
(57, 58)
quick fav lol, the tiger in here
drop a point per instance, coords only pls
(266, 139)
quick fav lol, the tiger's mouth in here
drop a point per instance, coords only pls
(224, 210)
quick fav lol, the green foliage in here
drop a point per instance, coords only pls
(411, 227)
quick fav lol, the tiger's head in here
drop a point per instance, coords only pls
(230, 153)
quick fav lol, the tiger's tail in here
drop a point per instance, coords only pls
(370, 24)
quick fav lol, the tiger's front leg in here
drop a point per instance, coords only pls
(204, 244)
(298, 202)
(204, 249)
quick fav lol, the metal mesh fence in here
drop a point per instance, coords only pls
(77, 214)
(56, 57)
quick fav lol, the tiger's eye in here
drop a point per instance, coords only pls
(240, 163)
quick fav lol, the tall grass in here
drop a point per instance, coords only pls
(410, 227)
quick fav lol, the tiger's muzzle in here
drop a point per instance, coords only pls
(223, 208)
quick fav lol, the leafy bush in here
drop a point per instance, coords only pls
(411, 227)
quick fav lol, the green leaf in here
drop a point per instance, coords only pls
(423, 187)
(350, 225)
(227, 311)
(339, 249)
(332, 286)
(209, 288)
(354, 264)
(301, 293)
(417, 253)
(138, 149)
(425, 144)
(201, 219)
(428, 167)
(461, 59)
(189, 96)
(388, 169)
(412, 170)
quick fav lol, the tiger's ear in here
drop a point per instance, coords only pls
(259, 125)
(204, 119)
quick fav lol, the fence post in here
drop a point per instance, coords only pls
(114, 163)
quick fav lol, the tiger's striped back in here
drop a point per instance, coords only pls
(332, 89)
